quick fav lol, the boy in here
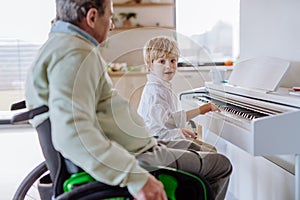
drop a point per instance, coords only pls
(158, 105)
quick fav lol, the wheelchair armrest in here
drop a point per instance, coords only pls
(30, 114)
(19, 105)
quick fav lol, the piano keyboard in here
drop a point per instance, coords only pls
(232, 109)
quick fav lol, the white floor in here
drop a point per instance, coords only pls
(20, 153)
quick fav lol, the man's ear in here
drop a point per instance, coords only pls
(91, 17)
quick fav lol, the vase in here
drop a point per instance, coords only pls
(127, 23)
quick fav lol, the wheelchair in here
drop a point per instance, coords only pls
(59, 179)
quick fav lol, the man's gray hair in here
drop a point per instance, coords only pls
(74, 10)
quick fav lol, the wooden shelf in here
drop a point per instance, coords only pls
(141, 4)
(145, 18)
(134, 27)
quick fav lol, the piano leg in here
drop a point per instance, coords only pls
(297, 176)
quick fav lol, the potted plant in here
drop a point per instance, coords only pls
(127, 18)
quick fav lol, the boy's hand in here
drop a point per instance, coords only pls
(208, 107)
(188, 134)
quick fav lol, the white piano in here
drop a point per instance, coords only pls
(256, 115)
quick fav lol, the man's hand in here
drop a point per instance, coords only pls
(152, 190)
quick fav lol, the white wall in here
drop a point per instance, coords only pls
(272, 28)
(128, 45)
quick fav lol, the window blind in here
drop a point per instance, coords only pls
(16, 57)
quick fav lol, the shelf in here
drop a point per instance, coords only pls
(141, 4)
(145, 18)
(134, 27)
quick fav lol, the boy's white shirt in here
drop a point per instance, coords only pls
(158, 108)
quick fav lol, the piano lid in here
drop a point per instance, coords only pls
(263, 73)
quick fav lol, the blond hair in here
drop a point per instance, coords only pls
(160, 47)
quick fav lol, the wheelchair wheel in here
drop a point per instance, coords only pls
(28, 187)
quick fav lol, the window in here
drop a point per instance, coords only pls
(213, 25)
(23, 29)
(15, 57)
